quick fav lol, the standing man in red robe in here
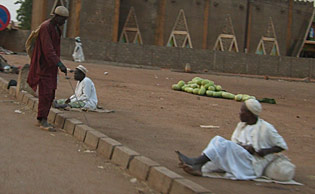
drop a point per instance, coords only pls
(45, 62)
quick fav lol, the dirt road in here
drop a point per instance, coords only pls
(155, 120)
(36, 161)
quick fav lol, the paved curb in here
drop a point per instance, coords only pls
(158, 177)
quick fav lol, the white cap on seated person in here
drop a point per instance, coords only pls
(253, 106)
(82, 68)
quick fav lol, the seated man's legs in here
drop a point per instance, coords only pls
(61, 103)
(225, 155)
(231, 158)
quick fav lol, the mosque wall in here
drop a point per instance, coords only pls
(200, 60)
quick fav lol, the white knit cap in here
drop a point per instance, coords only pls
(82, 68)
(253, 106)
(62, 11)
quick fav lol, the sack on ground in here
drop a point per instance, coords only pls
(280, 169)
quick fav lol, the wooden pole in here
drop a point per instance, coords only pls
(306, 33)
(39, 10)
(116, 21)
(159, 35)
(205, 25)
(248, 26)
(289, 26)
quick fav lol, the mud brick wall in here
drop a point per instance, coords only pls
(146, 13)
(14, 40)
(278, 10)
(97, 19)
(194, 12)
(199, 59)
(218, 11)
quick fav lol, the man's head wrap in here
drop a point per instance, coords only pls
(82, 69)
(62, 11)
(253, 106)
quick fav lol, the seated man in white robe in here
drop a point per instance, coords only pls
(253, 145)
(85, 93)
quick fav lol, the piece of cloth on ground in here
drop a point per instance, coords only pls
(222, 175)
(89, 110)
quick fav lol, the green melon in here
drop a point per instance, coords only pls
(245, 97)
(181, 83)
(199, 81)
(228, 95)
(238, 97)
(218, 88)
(204, 82)
(189, 90)
(183, 88)
(212, 88)
(209, 93)
(194, 85)
(217, 94)
(176, 87)
(196, 91)
(202, 91)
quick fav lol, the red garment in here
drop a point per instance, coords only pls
(43, 69)
(46, 96)
(46, 56)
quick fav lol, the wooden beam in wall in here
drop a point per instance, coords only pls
(248, 27)
(77, 11)
(288, 43)
(205, 24)
(116, 21)
(159, 35)
(306, 33)
(38, 13)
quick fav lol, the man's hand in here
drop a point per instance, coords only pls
(62, 68)
(249, 148)
(262, 152)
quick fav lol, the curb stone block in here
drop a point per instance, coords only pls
(185, 186)
(106, 147)
(26, 97)
(12, 91)
(140, 166)
(161, 178)
(31, 102)
(5, 85)
(52, 115)
(20, 95)
(80, 132)
(60, 120)
(92, 138)
(70, 125)
(1, 84)
(35, 107)
(122, 156)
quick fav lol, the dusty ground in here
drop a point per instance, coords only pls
(36, 161)
(155, 120)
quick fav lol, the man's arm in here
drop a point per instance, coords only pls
(266, 151)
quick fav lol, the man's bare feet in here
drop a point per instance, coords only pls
(191, 170)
